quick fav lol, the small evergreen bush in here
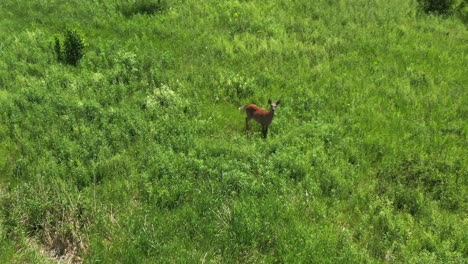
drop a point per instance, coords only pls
(71, 50)
(58, 48)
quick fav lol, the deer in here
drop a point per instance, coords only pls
(260, 115)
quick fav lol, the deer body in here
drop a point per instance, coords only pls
(260, 115)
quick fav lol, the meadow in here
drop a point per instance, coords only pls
(136, 152)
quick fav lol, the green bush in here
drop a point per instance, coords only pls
(164, 98)
(436, 6)
(58, 48)
(143, 7)
(125, 68)
(462, 11)
(444, 7)
(235, 88)
(74, 46)
(71, 50)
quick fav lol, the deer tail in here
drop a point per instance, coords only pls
(242, 108)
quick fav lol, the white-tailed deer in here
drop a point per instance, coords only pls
(260, 115)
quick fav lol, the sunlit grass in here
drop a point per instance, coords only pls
(139, 153)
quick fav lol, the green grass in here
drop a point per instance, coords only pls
(138, 154)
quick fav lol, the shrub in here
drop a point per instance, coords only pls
(164, 100)
(437, 6)
(125, 68)
(71, 51)
(143, 7)
(58, 48)
(235, 88)
(462, 11)
(74, 46)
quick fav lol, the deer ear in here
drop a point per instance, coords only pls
(269, 101)
(278, 102)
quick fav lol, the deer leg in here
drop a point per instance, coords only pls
(247, 123)
(265, 131)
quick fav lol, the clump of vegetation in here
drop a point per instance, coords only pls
(58, 49)
(444, 7)
(71, 49)
(129, 158)
(125, 68)
(143, 7)
(235, 88)
(436, 6)
(58, 222)
(165, 100)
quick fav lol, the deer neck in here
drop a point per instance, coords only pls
(271, 113)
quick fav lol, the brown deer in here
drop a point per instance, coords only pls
(260, 115)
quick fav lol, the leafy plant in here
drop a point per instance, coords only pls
(236, 87)
(163, 96)
(72, 49)
(125, 68)
(143, 7)
(58, 48)
(444, 6)
(436, 6)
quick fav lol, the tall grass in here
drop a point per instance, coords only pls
(139, 154)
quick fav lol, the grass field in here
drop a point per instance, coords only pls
(139, 154)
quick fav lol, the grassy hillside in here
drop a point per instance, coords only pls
(138, 153)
